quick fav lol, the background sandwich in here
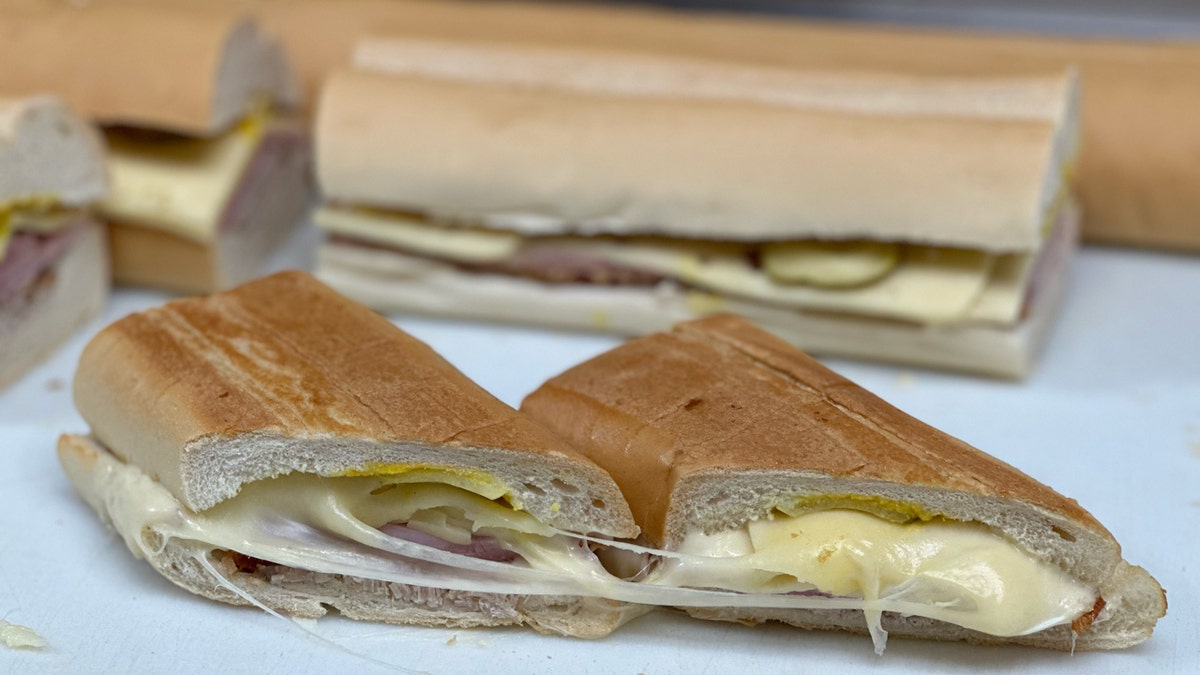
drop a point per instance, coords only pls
(206, 178)
(280, 446)
(764, 472)
(53, 261)
(1135, 169)
(918, 220)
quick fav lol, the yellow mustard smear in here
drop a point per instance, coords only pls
(33, 204)
(479, 482)
(893, 510)
(255, 123)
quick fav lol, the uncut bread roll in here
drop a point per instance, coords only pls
(220, 426)
(718, 428)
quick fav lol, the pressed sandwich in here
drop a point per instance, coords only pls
(1133, 193)
(208, 173)
(53, 261)
(752, 468)
(281, 446)
(920, 220)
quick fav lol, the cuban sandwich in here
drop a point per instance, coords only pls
(53, 259)
(752, 468)
(912, 219)
(280, 446)
(1133, 193)
(208, 173)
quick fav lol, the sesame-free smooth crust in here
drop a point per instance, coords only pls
(712, 424)
(282, 374)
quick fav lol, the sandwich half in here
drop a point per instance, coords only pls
(281, 446)
(208, 173)
(913, 219)
(53, 260)
(752, 468)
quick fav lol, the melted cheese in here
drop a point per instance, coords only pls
(973, 577)
(951, 572)
(926, 285)
(177, 184)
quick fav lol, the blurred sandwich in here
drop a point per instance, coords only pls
(757, 470)
(207, 178)
(1136, 169)
(918, 220)
(53, 261)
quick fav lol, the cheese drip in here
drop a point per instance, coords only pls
(329, 525)
(972, 576)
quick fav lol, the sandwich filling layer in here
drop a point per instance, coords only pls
(450, 531)
(921, 284)
(964, 572)
(188, 186)
(34, 234)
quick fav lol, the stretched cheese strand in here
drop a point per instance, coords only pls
(317, 524)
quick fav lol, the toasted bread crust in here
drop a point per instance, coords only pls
(725, 397)
(282, 374)
(717, 422)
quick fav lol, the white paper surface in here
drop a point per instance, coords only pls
(1111, 418)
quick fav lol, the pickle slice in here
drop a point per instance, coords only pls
(829, 263)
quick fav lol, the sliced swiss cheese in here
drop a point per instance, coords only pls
(177, 184)
(929, 285)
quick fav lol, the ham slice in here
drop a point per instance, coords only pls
(484, 548)
(30, 254)
(278, 149)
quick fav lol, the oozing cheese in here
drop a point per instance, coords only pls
(177, 184)
(956, 573)
(972, 576)
(926, 285)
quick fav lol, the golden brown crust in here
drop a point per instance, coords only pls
(284, 357)
(718, 395)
